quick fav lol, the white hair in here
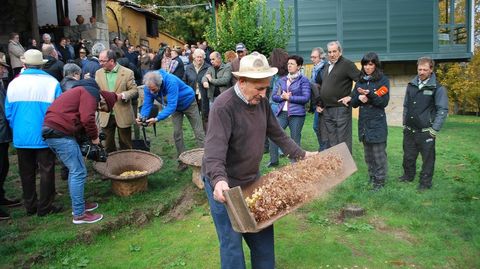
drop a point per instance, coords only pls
(97, 48)
(198, 52)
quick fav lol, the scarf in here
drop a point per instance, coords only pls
(292, 77)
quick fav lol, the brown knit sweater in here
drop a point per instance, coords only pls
(338, 83)
(235, 139)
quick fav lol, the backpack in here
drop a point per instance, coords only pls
(315, 90)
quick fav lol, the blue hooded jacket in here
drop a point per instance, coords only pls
(179, 96)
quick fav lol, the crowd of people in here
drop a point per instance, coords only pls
(238, 105)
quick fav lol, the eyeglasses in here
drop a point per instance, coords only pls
(83, 52)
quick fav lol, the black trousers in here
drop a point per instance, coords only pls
(4, 166)
(413, 144)
(29, 161)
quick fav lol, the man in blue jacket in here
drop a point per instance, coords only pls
(177, 99)
(28, 98)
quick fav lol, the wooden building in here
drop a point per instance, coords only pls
(139, 25)
(400, 31)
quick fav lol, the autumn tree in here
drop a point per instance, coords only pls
(252, 23)
(461, 79)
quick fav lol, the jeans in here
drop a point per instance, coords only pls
(295, 124)
(194, 118)
(68, 151)
(261, 244)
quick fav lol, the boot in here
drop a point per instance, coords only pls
(378, 183)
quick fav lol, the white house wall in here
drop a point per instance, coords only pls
(47, 13)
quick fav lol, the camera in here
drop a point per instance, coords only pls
(143, 121)
(93, 152)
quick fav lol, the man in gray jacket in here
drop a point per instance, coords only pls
(217, 78)
(425, 108)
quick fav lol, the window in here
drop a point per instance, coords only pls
(452, 22)
(152, 27)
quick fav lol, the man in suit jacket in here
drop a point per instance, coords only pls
(113, 77)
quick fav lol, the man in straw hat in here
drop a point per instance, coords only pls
(28, 98)
(5, 139)
(239, 121)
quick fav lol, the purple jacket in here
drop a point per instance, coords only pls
(300, 89)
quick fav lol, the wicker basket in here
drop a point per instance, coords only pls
(194, 159)
(129, 160)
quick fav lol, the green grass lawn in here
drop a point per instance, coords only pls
(402, 228)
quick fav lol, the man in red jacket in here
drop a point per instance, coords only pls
(70, 116)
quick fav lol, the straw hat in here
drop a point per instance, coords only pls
(255, 65)
(33, 57)
(3, 61)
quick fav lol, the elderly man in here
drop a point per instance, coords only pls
(180, 101)
(115, 78)
(338, 76)
(28, 98)
(71, 73)
(318, 59)
(53, 66)
(93, 65)
(5, 139)
(218, 77)
(240, 119)
(425, 108)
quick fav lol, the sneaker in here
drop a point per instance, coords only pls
(53, 210)
(87, 217)
(4, 215)
(10, 203)
(89, 207)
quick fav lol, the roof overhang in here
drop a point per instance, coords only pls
(140, 9)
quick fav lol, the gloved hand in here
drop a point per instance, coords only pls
(432, 132)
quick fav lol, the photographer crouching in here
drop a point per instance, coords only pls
(69, 121)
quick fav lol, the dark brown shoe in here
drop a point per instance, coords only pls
(4, 215)
(53, 210)
(10, 203)
(182, 167)
(405, 178)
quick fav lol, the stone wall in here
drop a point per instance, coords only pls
(97, 32)
(399, 74)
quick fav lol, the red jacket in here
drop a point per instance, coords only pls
(73, 113)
